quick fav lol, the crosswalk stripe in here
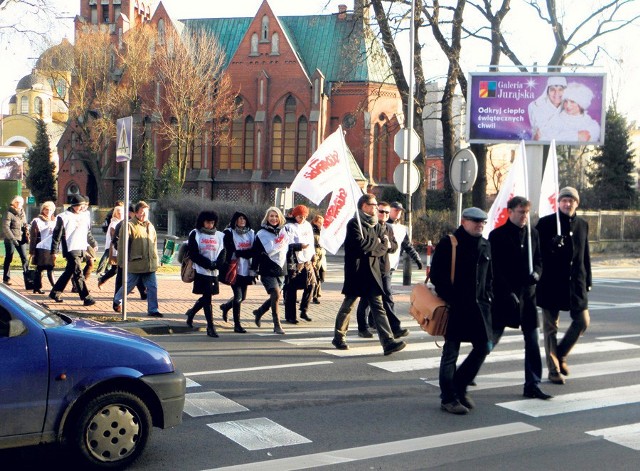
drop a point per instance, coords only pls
(210, 403)
(576, 402)
(399, 366)
(369, 452)
(601, 306)
(587, 370)
(257, 368)
(192, 384)
(258, 434)
(625, 435)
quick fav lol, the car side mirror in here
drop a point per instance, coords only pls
(16, 328)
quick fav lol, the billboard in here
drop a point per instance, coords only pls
(567, 107)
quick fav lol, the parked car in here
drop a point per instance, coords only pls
(95, 388)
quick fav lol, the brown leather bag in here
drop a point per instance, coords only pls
(427, 308)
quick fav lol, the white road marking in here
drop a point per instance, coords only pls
(192, 384)
(258, 434)
(399, 366)
(587, 370)
(257, 368)
(625, 435)
(602, 306)
(614, 337)
(210, 403)
(576, 402)
(369, 452)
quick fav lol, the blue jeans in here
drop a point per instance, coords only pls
(454, 381)
(150, 283)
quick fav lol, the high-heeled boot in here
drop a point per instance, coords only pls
(277, 328)
(237, 327)
(225, 310)
(208, 314)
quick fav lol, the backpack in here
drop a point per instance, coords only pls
(187, 272)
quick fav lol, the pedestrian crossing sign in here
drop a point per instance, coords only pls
(124, 139)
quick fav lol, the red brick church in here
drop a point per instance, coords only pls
(299, 78)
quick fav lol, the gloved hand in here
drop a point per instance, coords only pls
(515, 300)
(534, 278)
(16, 243)
(557, 242)
(419, 263)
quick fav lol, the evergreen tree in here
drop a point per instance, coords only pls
(41, 178)
(611, 177)
(169, 182)
(147, 187)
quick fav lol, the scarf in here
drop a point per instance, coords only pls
(367, 220)
(242, 230)
(208, 231)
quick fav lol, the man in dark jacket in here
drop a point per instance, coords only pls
(469, 299)
(14, 230)
(365, 242)
(514, 288)
(565, 280)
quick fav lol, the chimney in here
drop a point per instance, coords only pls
(342, 12)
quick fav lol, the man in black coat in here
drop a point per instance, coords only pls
(364, 243)
(514, 288)
(469, 300)
(565, 280)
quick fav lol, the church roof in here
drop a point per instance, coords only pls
(35, 81)
(334, 46)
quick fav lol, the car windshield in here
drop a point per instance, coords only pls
(40, 314)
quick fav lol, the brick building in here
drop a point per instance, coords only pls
(299, 78)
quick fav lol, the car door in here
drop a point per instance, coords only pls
(23, 377)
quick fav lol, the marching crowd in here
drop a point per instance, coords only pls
(488, 284)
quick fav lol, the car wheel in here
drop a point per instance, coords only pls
(112, 430)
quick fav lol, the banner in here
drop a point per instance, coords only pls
(538, 108)
(514, 185)
(324, 171)
(548, 203)
(340, 211)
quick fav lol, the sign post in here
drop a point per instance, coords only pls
(124, 144)
(462, 175)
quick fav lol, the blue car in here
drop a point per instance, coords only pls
(94, 388)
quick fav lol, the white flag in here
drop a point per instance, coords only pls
(325, 170)
(340, 211)
(514, 185)
(548, 203)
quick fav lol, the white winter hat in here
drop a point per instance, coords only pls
(579, 93)
(556, 81)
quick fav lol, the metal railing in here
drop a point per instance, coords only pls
(607, 226)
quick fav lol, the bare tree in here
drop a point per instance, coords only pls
(30, 19)
(196, 94)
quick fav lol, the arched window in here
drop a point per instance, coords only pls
(380, 152)
(161, 31)
(276, 144)
(265, 28)
(289, 147)
(275, 44)
(37, 106)
(249, 133)
(254, 44)
(241, 146)
(303, 143)
(24, 105)
(433, 178)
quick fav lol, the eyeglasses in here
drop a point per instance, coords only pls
(372, 203)
(478, 221)
(381, 211)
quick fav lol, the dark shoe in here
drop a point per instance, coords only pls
(257, 314)
(535, 393)
(38, 291)
(74, 289)
(190, 315)
(564, 369)
(225, 312)
(393, 347)
(89, 301)
(101, 282)
(294, 321)
(7, 282)
(340, 344)
(303, 315)
(454, 407)
(154, 314)
(278, 330)
(365, 334)
(315, 301)
(239, 329)
(466, 401)
(400, 333)
(556, 378)
(117, 307)
(55, 296)
(211, 332)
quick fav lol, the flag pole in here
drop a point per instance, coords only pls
(526, 194)
(348, 170)
(555, 182)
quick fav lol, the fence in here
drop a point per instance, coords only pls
(612, 226)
